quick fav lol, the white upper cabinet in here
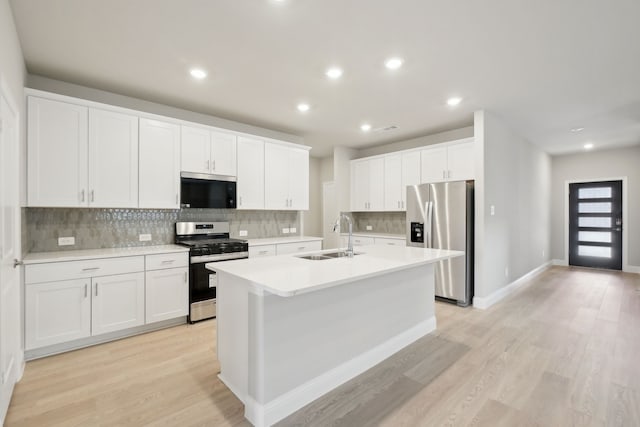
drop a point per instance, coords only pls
(57, 153)
(250, 186)
(400, 169)
(367, 184)
(159, 165)
(452, 162)
(113, 159)
(207, 151)
(286, 177)
(461, 160)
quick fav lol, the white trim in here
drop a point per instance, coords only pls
(631, 269)
(625, 216)
(560, 262)
(486, 302)
(270, 413)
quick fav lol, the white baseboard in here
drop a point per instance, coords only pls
(270, 413)
(486, 302)
(632, 269)
(561, 262)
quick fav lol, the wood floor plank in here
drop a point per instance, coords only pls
(562, 351)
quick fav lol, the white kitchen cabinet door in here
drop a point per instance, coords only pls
(393, 182)
(250, 184)
(113, 159)
(461, 161)
(195, 150)
(376, 184)
(223, 153)
(298, 179)
(117, 302)
(433, 164)
(410, 174)
(57, 153)
(57, 312)
(360, 186)
(277, 163)
(159, 175)
(167, 294)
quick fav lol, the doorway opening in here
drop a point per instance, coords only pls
(595, 224)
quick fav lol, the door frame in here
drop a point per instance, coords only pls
(625, 216)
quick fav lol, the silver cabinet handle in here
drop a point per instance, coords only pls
(214, 165)
(85, 290)
(91, 269)
(240, 200)
(302, 248)
(168, 261)
(206, 165)
(263, 252)
(185, 277)
(82, 196)
(176, 198)
(398, 204)
(96, 289)
(443, 175)
(92, 195)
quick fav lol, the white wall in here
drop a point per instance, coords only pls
(12, 77)
(593, 166)
(342, 157)
(312, 219)
(513, 176)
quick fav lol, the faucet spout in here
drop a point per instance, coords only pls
(336, 227)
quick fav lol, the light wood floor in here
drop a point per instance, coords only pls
(563, 351)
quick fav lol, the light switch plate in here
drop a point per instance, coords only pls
(66, 241)
(369, 227)
(285, 231)
(145, 237)
(243, 233)
(293, 230)
(493, 210)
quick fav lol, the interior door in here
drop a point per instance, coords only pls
(595, 224)
(10, 306)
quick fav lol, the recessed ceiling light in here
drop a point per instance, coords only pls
(452, 102)
(366, 127)
(303, 108)
(577, 129)
(588, 146)
(393, 63)
(334, 73)
(198, 73)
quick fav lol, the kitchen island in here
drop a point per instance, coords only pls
(291, 329)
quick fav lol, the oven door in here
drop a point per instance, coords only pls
(202, 292)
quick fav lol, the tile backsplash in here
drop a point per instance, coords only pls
(114, 228)
(382, 222)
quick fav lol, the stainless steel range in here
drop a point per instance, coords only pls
(207, 242)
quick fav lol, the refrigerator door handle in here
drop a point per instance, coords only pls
(428, 228)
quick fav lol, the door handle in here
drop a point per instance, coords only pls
(16, 262)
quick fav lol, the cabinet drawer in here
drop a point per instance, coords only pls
(263, 250)
(360, 241)
(297, 247)
(162, 261)
(390, 241)
(68, 270)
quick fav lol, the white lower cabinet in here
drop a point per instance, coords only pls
(117, 302)
(56, 312)
(262, 250)
(167, 294)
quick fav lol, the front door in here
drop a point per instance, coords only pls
(595, 224)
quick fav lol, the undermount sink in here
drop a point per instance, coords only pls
(324, 256)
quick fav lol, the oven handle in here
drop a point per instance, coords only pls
(218, 257)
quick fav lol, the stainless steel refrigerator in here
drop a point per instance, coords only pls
(440, 216)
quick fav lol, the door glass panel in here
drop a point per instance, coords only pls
(594, 193)
(594, 221)
(594, 207)
(596, 251)
(594, 236)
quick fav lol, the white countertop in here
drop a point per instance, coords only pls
(289, 275)
(276, 240)
(374, 234)
(82, 254)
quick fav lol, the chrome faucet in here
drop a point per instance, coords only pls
(336, 228)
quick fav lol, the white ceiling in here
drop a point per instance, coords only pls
(544, 66)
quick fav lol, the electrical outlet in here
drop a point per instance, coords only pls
(244, 233)
(66, 241)
(293, 230)
(285, 231)
(543, 253)
(493, 210)
(369, 227)
(506, 272)
(144, 237)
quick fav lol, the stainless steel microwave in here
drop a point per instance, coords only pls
(198, 190)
